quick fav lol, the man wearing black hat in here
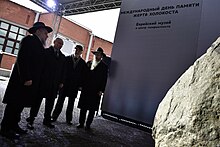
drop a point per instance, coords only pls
(24, 82)
(75, 69)
(93, 86)
(51, 80)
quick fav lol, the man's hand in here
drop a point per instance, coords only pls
(61, 85)
(100, 93)
(28, 83)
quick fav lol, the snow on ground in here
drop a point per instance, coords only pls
(3, 85)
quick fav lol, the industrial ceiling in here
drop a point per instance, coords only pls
(73, 7)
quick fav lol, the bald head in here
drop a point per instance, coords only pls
(58, 43)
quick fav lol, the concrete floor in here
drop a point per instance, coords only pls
(104, 133)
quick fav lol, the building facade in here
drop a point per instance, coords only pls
(15, 21)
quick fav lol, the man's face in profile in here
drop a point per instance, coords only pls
(43, 35)
(58, 44)
(78, 52)
(98, 56)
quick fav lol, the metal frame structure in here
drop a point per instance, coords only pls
(73, 7)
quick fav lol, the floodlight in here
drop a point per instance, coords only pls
(51, 4)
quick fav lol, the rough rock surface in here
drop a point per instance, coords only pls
(189, 113)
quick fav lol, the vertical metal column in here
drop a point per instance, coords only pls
(55, 26)
(89, 46)
(37, 16)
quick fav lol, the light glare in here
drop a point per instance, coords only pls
(51, 3)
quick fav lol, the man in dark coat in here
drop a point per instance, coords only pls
(92, 89)
(75, 69)
(52, 80)
(24, 82)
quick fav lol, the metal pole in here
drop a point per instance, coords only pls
(37, 16)
(55, 25)
(89, 47)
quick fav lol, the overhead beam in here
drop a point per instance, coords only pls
(86, 6)
(80, 6)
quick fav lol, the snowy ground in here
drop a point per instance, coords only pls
(104, 133)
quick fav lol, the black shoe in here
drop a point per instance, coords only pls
(10, 134)
(53, 119)
(30, 126)
(69, 123)
(87, 128)
(48, 124)
(30, 120)
(20, 131)
(79, 126)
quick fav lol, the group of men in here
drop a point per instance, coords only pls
(43, 73)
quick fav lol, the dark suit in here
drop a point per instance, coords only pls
(27, 67)
(75, 70)
(52, 77)
(94, 82)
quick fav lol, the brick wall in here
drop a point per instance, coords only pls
(7, 61)
(17, 14)
(25, 17)
(70, 30)
(79, 34)
(106, 45)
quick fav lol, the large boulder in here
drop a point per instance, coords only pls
(189, 114)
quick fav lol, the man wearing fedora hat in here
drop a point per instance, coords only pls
(24, 82)
(51, 81)
(92, 88)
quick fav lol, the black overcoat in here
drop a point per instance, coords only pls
(74, 76)
(28, 66)
(94, 81)
(53, 73)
